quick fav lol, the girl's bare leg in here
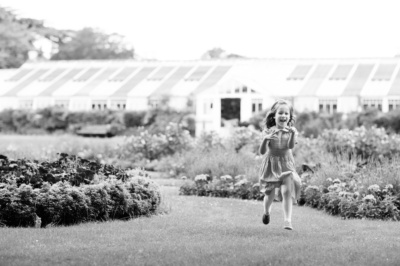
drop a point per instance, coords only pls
(287, 199)
(268, 199)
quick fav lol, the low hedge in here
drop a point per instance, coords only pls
(28, 197)
(64, 204)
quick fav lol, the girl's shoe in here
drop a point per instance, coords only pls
(287, 225)
(265, 218)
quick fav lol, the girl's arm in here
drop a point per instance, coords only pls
(292, 137)
(264, 145)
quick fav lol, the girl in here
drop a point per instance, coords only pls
(277, 169)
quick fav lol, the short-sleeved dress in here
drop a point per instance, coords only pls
(278, 159)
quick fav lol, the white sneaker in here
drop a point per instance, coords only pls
(287, 225)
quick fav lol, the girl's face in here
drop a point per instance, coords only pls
(282, 116)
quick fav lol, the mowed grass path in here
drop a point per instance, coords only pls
(207, 231)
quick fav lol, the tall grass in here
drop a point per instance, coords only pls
(221, 161)
(382, 172)
(347, 167)
(39, 147)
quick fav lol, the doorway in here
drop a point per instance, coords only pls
(230, 112)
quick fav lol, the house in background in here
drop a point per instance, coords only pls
(223, 93)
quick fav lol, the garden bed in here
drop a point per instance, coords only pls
(71, 190)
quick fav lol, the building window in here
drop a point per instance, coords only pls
(328, 105)
(99, 104)
(26, 104)
(154, 103)
(394, 104)
(256, 105)
(118, 104)
(242, 89)
(61, 103)
(372, 103)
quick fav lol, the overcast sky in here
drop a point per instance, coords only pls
(185, 29)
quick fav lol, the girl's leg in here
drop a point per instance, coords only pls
(287, 201)
(268, 199)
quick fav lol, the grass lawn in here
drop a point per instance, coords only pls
(207, 231)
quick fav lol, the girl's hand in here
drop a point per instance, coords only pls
(270, 135)
(291, 130)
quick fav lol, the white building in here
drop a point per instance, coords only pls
(223, 92)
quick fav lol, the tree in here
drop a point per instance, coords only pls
(90, 43)
(15, 40)
(219, 53)
(17, 36)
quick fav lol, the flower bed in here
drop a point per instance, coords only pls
(225, 186)
(340, 199)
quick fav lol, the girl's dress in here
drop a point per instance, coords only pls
(278, 159)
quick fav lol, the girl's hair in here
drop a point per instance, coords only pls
(269, 120)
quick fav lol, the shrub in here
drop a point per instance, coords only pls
(245, 138)
(61, 203)
(108, 193)
(17, 204)
(349, 200)
(372, 142)
(147, 145)
(390, 121)
(133, 118)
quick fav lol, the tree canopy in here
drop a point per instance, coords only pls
(15, 40)
(90, 43)
(18, 35)
(219, 53)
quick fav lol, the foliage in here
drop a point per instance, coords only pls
(15, 40)
(17, 37)
(89, 43)
(224, 186)
(257, 119)
(330, 180)
(46, 148)
(390, 121)
(71, 191)
(53, 119)
(343, 199)
(372, 142)
(208, 141)
(157, 119)
(312, 124)
(246, 139)
(150, 146)
(70, 168)
(133, 118)
(218, 162)
(219, 53)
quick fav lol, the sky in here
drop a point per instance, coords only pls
(186, 29)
